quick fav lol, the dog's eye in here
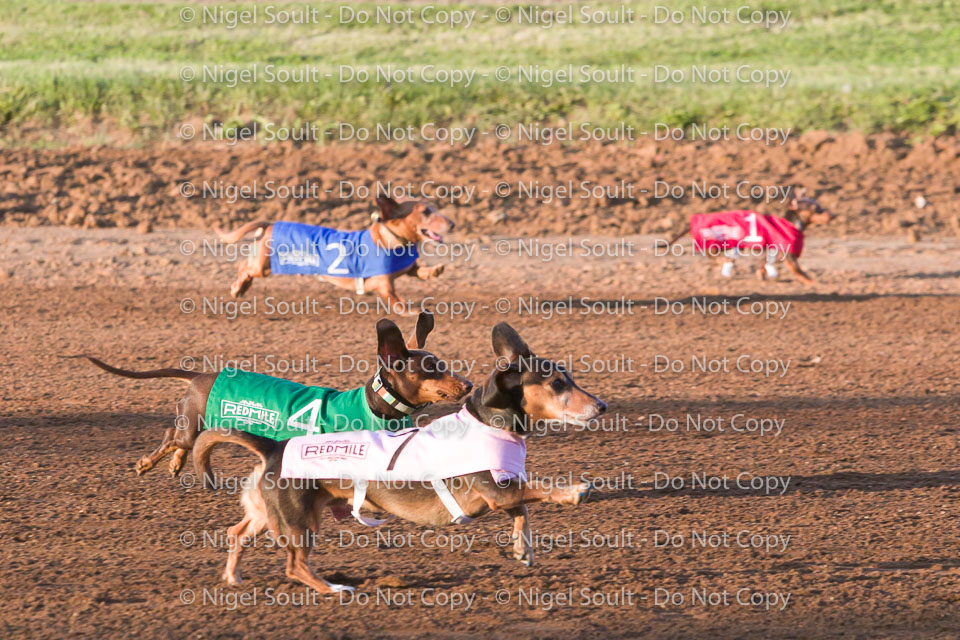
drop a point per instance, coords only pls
(558, 385)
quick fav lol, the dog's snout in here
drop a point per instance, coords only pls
(464, 387)
(601, 406)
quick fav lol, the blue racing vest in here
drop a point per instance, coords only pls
(305, 249)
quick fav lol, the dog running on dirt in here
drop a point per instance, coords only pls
(527, 389)
(280, 409)
(726, 234)
(365, 261)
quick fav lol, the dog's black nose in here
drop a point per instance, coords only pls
(601, 406)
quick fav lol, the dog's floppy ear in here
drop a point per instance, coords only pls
(424, 327)
(390, 347)
(508, 344)
(389, 208)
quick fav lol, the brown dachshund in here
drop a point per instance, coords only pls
(364, 261)
(422, 381)
(522, 391)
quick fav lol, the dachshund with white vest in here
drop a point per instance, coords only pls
(451, 471)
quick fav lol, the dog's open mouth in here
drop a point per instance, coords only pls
(453, 397)
(433, 236)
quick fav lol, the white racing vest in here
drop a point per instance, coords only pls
(454, 445)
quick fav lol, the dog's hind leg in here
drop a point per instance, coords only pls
(186, 434)
(167, 445)
(240, 535)
(177, 460)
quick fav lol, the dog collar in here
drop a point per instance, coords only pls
(384, 229)
(390, 396)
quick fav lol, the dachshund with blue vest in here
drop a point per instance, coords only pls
(367, 261)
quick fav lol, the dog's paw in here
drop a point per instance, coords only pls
(573, 495)
(525, 557)
(233, 579)
(143, 465)
(338, 588)
(176, 462)
(427, 273)
(584, 489)
(522, 551)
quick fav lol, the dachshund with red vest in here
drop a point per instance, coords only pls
(727, 234)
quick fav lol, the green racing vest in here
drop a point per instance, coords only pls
(279, 409)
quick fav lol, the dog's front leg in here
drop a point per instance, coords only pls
(426, 273)
(519, 493)
(387, 292)
(572, 495)
(522, 542)
(293, 521)
(794, 267)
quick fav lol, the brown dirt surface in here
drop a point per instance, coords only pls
(866, 461)
(873, 182)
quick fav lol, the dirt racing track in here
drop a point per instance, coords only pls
(777, 461)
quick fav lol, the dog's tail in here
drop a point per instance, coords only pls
(237, 234)
(210, 438)
(181, 374)
(684, 232)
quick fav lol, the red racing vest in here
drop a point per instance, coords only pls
(744, 228)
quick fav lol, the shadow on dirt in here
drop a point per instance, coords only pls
(927, 276)
(707, 299)
(840, 482)
(669, 407)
